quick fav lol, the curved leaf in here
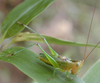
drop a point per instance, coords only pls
(24, 13)
(28, 63)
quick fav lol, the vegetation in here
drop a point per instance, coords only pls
(27, 60)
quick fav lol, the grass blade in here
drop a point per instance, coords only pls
(93, 74)
(24, 13)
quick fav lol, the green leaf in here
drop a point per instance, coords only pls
(29, 63)
(93, 74)
(26, 36)
(24, 13)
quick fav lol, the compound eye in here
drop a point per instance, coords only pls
(77, 65)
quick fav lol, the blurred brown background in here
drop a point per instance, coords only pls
(65, 19)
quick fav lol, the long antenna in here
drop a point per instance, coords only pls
(90, 29)
(91, 51)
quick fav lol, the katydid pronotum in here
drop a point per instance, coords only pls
(60, 63)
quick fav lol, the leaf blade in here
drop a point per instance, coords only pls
(28, 63)
(26, 36)
(24, 13)
(93, 74)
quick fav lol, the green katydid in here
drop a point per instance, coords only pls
(62, 64)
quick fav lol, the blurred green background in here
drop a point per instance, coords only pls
(64, 19)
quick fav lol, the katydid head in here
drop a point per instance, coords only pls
(77, 65)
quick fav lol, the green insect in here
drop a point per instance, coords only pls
(61, 63)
